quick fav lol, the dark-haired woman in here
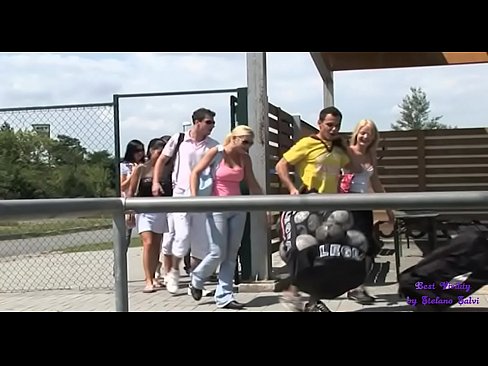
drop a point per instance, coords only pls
(134, 155)
(150, 226)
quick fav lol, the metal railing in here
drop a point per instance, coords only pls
(33, 209)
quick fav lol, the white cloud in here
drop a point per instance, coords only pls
(456, 92)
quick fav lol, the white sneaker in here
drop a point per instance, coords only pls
(173, 281)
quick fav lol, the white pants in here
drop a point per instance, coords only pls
(168, 237)
(190, 232)
(154, 222)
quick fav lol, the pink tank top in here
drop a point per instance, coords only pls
(227, 180)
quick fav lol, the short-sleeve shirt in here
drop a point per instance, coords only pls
(317, 167)
(189, 154)
(126, 168)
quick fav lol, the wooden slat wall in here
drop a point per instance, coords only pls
(435, 160)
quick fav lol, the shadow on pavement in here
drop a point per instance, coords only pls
(262, 301)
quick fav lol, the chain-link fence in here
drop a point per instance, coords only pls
(57, 152)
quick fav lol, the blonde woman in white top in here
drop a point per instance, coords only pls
(362, 152)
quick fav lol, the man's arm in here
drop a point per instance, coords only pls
(166, 154)
(157, 174)
(284, 174)
(292, 157)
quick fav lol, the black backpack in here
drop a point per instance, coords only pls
(320, 264)
(167, 178)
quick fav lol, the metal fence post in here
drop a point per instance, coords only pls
(117, 145)
(120, 263)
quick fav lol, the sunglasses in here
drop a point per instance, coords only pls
(247, 142)
(209, 122)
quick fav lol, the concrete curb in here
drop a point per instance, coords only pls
(258, 286)
(277, 285)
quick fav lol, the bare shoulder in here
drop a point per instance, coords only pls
(138, 168)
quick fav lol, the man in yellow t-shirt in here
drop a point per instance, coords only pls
(317, 160)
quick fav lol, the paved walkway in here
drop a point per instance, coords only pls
(383, 286)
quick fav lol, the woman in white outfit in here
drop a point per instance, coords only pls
(150, 226)
(362, 152)
(134, 155)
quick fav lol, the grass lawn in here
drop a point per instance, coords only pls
(52, 226)
(135, 242)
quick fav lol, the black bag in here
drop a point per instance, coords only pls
(448, 275)
(324, 260)
(167, 178)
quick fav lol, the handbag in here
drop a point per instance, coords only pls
(206, 182)
(345, 182)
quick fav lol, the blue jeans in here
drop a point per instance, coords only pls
(224, 230)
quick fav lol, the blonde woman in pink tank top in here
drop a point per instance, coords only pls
(225, 229)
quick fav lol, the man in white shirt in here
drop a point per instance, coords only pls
(190, 231)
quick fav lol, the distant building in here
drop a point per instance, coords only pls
(42, 129)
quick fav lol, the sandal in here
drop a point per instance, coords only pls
(157, 285)
(149, 289)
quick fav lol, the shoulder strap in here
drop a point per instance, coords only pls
(181, 137)
(180, 140)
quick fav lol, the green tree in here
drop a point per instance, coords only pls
(36, 166)
(414, 114)
(102, 172)
(67, 150)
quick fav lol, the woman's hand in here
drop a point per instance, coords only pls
(130, 220)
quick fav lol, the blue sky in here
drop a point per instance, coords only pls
(458, 93)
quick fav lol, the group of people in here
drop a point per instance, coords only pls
(213, 239)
